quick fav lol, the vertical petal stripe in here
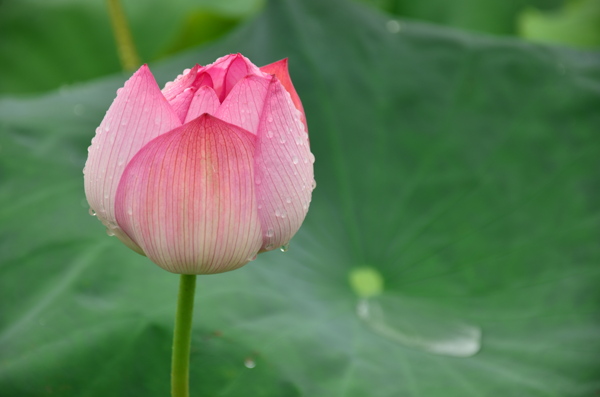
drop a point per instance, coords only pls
(205, 101)
(138, 114)
(188, 198)
(283, 168)
(280, 70)
(244, 104)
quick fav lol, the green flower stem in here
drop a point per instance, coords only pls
(180, 365)
(128, 55)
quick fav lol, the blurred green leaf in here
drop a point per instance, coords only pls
(463, 171)
(46, 44)
(577, 24)
(496, 17)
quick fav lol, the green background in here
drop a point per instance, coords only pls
(461, 170)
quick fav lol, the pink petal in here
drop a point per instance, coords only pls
(188, 198)
(244, 104)
(205, 101)
(185, 80)
(138, 114)
(181, 103)
(283, 168)
(228, 70)
(280, 70)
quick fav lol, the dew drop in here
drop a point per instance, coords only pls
(78, 109)
(260, 206)
(288, 200)
(269, 134)
(295, 160)
(186, 71)
(270, 232)
(106, 127)
(314, 184)
(92, 212)
(120, 91)
(392, 26)
(130, 211)
(110, 232)
(285, 247)
(282, 139)
(269, 247)
(311, 157)
(121, 162)
(270, 119)
(249, 363)
(277, 213)
(253, 257)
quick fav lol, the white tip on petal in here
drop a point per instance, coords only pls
(138, 114)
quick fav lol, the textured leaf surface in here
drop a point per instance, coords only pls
(462, 172)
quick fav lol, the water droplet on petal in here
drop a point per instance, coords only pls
(282, 139)
(269, 134)
(270, 232)
(285, 247)
(295, 160)
(269, 247)
(186, 71)
(253, 257)
(314, 184)
(120, 91)
(288, 200)
(130, 211)
(270, 119)
(92, 212)
(110, 232)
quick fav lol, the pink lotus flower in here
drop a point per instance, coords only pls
(208, 172)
